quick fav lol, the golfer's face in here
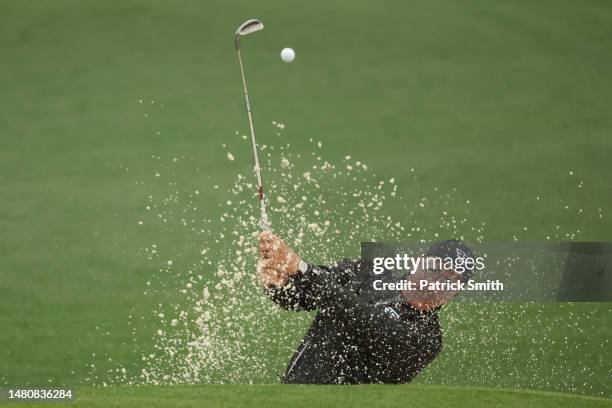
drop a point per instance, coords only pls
(431, 271)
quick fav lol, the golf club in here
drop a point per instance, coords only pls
(246, 28)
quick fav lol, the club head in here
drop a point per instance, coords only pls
(246, 28)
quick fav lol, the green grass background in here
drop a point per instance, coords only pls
(500, 100)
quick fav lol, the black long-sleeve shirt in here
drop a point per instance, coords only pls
(352, 339)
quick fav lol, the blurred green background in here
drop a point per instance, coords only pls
(507, 102)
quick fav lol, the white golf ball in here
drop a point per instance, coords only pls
(287, 54)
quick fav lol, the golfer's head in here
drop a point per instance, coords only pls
(446, 262)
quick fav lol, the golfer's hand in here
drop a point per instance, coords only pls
(276, 260)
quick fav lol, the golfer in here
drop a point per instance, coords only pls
(353, 339)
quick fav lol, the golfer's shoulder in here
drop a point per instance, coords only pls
(402, 319)
(429, 319)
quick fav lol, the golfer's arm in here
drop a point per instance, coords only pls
(294, 295)
(297, 293)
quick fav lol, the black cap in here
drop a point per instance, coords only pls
(455, 250)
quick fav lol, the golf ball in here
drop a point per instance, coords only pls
(287, 54)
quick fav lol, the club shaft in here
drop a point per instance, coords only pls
(265, 224)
